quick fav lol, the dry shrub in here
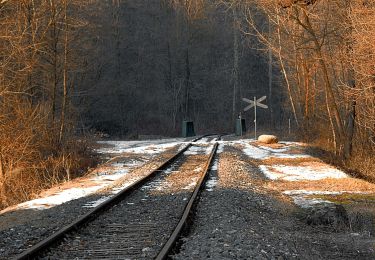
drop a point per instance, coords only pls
(32, 159)
(361, 164)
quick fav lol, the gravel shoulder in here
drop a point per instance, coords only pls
(239, 218)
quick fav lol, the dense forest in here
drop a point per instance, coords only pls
(71, 69)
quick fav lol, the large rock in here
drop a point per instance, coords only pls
(268, 139)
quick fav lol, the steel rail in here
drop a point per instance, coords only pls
(34, 251)
(168, 246)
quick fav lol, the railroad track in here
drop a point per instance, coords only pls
(133, 224)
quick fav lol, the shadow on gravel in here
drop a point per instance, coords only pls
(23, 228)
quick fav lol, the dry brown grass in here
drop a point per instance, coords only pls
(273, 146)
(346, 184)
(361, 166)
(290, 161)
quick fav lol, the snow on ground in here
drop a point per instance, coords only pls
(299, 173)
(160, 185)
(254, 152)
(203, 140)
(198, 169)
(60, 198)
(211, 184)
(263, 152)
(306, 171)
(195, 149)
(220, 148)
(311, 192)
(192, 184)
(102, 180)
(95, 203)
(108, 176)
(214, 140)
(209, 149)
(303, 198)
(139, 147)
(305, 202)
(215, 165)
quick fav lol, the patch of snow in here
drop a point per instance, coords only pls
(275, 150)
(261, 153)
(292, 143)
(211, 184)
(255, 152)
(289, 156)
(300, 197)
(303, 198)
(311, 192)
(191, 185)
(215, 165)
(195, 149)
(144, 147)
(220, 148)
(203, 140)
(209, 149)
(298, 173)
(304, 202)
(181, 147)
(103, 179)
(95, 203)
(111, 177)
(213, 140)
(267, 153)
(60, 198)
(198, 169)
(124, 185)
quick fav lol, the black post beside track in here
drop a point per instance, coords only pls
(168, 246)
(43, 245)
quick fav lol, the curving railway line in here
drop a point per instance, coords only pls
(144, 220)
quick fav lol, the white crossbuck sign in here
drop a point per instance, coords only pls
(255, 103)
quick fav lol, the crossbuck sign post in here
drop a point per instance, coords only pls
(255, 103)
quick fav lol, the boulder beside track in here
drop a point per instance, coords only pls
(268, 139)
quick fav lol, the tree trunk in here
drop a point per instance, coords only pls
(187, 84)
(270, 78)
(65, 78)
(285, 74)
(348, 148)
(331, 102)
(2, 180)
(55, 40)
(235, 65)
